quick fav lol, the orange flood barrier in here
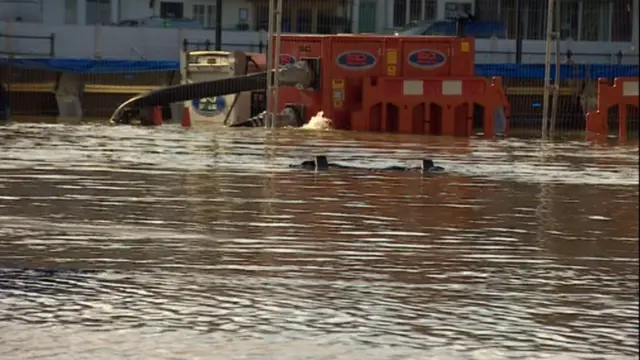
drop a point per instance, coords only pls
(186, 117)
(157, 116)
(404, 84)
(436, 106)
(623, 92)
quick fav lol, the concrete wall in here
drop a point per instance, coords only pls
(75, 41)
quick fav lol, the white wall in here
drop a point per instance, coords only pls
(52, 12)
(111, 42)
(74, 41)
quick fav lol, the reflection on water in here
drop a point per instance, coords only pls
(165, 244)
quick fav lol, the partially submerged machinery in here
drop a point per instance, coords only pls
(420, 85)
(217, 86)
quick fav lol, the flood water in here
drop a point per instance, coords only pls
(139, 243)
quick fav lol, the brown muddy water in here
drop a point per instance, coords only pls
(136, 243)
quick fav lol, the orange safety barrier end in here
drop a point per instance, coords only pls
(436, 106)
(186, 117)
(157, 116)
(623, 92)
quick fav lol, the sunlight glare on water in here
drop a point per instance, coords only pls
(125, 242)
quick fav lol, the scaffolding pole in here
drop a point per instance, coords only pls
(556, 82)
(276, 57)
(270, 58)
(273, 57)
(547, 69)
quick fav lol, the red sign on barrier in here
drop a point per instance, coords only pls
(427, 58)
(355, 60)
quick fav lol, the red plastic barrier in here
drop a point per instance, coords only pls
(436, 106)
(186, 117)
(389, 83)
(623, 92)
(157, 116)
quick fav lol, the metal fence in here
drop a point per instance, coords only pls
(597, 38)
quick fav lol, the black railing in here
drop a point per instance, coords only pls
(50, 53)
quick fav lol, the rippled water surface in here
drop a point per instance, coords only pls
(133, 243)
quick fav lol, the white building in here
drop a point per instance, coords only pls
(597, 29)
(91, 12)
(590, 20)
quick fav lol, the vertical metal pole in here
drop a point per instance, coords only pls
(276, 51)
(518, 20)
(547, 70)
(52, 45)
(10, 53)
(270, 59)
(9, 81)
(556, 83)
(218, 25)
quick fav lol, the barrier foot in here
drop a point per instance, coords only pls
(186, 117)
(595, 123)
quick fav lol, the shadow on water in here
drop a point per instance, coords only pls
(164, 243)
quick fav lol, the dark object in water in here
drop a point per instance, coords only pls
(429, 166)
(255, 121)
(322, 163)
(319, 163)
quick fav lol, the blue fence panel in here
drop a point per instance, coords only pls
(90, 66)
(536, 71)
(522, 71)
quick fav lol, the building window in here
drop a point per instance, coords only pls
(488, 10)
(535, 18)
(589, 20)
(416, 12)
(622, 27)
(71, 12)
(285, 24)
(367, 18)
(596, 20)
(399, 11)
(261, 18)
(303, 21)
(98, 12)
(243, 14)
(205, 15)
(327, 22)
(569, 19)
(171, 10)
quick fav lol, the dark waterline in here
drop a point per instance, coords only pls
(119, 243)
